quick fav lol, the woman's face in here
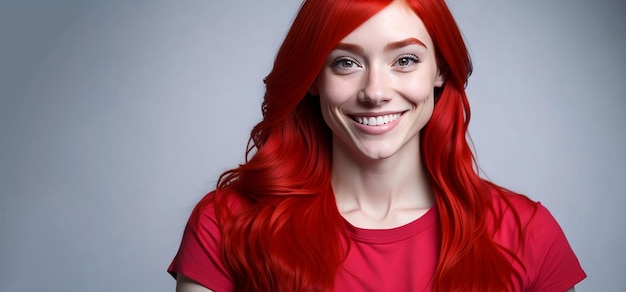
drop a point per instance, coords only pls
(377, 86)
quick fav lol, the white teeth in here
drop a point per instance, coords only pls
(377, 121)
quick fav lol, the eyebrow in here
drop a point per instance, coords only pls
(389, 47)
(404, 43)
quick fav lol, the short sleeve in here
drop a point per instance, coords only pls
(198, 257)
(553, 262)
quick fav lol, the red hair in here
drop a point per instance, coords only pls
(286, 234)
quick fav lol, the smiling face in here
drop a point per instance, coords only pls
(377, 86)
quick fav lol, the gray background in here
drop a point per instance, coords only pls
(117, 116)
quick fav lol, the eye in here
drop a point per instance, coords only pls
(407, 60)
(345, 63)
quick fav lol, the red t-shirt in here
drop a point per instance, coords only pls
(404, 258)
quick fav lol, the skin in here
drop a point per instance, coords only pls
(184, 284)
(386, 66)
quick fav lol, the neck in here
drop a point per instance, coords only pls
(381, 193)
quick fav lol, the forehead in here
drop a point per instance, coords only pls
(395, 22)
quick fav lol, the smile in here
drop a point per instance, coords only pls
(376, 120)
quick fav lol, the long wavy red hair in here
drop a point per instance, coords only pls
(281, 230)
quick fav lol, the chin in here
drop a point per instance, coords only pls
(378, 154)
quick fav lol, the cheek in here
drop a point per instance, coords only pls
(332, 113)
(330, 102)
(418, 93)
(328, 108)
(336, 90)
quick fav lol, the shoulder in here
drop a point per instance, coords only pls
(517, 218)
(528, 230)
(211, 209)
(510, 210)
(199, 256)
(515, 211)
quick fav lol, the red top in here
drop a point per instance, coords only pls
(404, 258)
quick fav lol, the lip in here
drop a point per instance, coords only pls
(376, 130)
(375, 114)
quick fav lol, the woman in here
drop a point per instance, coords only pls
(359, 176)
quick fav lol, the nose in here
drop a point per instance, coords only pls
(376, 89)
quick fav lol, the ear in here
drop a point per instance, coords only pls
(439, 79)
